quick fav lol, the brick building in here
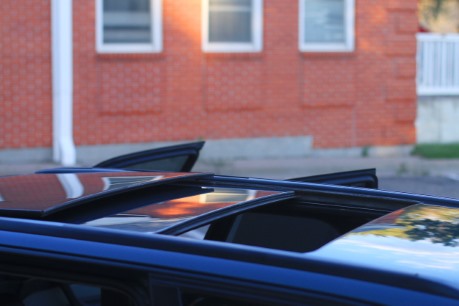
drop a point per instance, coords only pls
(339, 74)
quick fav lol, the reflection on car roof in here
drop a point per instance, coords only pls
(421, 240)
(37, 195)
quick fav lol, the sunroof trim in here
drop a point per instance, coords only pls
(213, 215)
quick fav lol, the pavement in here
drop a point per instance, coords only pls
(296, 167)
(287, 168)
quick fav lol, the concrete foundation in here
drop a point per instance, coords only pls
(214, 153)
(17, 156)
(438, 119)
(214, 150)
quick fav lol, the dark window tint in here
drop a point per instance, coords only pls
(230, 21)
(127, 21)
(200, 300)
(15, 290)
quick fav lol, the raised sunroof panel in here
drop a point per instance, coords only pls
(33, 195)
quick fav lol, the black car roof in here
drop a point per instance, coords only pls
(189, 247)
(384, 244)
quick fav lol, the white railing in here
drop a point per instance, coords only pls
(438, 64)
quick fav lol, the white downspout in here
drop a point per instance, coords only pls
(62, 77)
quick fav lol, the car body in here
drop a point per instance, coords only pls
(100, 236)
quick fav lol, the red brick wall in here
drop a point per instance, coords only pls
(25, 74)
(366, 97)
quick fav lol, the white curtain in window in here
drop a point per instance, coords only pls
(324, 21)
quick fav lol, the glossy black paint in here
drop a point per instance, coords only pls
(97, 253)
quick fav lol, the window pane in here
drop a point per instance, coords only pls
(127, 21)
(232, 3)
(230, 21)
(324, 21)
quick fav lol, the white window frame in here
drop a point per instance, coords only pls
(349, 28)
(156, 44)
(257, 32)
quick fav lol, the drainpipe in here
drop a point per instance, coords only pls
(62, 77)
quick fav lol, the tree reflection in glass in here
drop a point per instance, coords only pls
(435, 224)
(439, 225)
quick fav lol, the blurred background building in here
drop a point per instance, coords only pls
(438, 72)
(89, 79)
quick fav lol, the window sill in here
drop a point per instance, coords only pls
(129, 55)
(328, 54)
(252, 47)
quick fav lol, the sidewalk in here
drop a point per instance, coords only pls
(297, 167)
